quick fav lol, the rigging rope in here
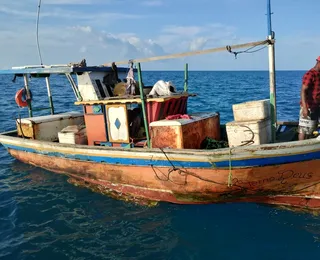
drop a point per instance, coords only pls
(192, 53)
(229, 49)
(37, 33)
(185, 173)
(19, 122)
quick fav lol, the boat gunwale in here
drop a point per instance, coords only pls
(216, 155)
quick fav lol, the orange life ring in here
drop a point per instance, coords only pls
(21, 98)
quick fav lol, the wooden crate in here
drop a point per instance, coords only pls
(185, 133)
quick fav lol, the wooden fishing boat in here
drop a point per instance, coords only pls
(146, 148)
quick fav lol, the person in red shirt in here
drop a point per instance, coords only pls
(310, 102)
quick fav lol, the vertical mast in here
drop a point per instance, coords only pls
(49, 95)
(269, 17)
(272, 76)
(186, 76)
(143, 106)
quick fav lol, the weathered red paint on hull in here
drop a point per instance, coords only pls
(293, 184)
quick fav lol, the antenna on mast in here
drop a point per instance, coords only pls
(269, 13)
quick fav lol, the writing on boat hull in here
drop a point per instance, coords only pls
(282, 177)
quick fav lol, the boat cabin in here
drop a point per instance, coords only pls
(118, 111)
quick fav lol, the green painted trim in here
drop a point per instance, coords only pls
(186, 77)
(30, 107)
(143, 105)
(273, 117)
(51, 105)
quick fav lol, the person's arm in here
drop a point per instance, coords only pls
(307, 82)
(303, 94)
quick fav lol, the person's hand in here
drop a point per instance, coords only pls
(305, 112)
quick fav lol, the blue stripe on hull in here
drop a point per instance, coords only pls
(186, 164)
(270, 160)
(113, 160)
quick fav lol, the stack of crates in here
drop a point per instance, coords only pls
(251, 125)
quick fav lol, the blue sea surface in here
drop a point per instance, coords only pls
(42, 216)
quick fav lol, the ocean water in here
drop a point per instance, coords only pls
(42, 216)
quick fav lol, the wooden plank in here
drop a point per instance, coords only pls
(132, 99)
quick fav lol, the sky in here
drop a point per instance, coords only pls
(103, 31)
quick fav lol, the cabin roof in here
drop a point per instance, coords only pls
(58, 69)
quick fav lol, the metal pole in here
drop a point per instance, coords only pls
(273, 100)
(272, 76)
(74, 87)
(269, 17)
(49, 96)
(28, 97)
(186, 76)
(143, 105)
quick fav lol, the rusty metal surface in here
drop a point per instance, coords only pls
(25, 130)
(186, 136)
(288, 184)
(166, 137)
(194, 134)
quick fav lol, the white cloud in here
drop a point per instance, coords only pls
(198, 43)
(86, 29)
(97, 17)
(62, 45)
(189, 31)
(20, 13)
(71, 33)
(147, 47)
(186, 38)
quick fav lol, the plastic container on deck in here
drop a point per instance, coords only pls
(252, 110)
(253, 132)
(46, 128)
(73, 134)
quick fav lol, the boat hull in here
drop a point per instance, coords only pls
(290, 184)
